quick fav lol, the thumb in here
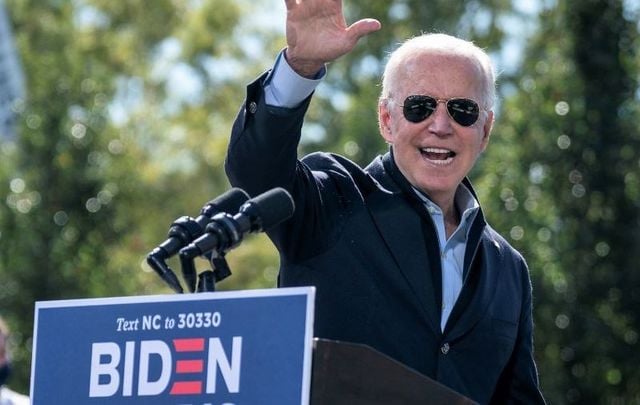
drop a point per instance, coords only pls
(363, 27)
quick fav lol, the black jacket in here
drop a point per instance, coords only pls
(364, 240)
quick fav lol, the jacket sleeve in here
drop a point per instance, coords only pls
(519, 381)
(262, 154)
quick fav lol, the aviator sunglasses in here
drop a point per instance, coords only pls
(418, 108)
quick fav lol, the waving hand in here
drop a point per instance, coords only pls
(317, 33)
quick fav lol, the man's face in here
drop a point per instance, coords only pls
(437, 153)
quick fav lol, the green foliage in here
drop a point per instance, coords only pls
(94, 180)
(557, 181)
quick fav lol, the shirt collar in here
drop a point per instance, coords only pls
(464, 200)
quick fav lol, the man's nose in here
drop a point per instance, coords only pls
(440, 121)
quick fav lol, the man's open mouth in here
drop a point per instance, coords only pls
(438, 155)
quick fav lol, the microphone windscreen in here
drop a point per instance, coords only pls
(271, 207)
(229, 202)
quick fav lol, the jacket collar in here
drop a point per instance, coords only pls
(385, 170)
(420, 266)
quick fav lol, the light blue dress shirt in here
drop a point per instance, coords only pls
(285, 88)
(452, 250)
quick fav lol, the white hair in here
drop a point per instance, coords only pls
(440, 44)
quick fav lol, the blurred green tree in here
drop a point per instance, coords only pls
(123, 129)
(561, 180)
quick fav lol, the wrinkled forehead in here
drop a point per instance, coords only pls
(438, 73)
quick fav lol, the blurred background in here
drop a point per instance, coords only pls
(115, 117)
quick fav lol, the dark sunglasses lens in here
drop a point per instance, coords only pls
(464, 112)
(418, 108)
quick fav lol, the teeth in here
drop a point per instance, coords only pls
(438, 156)
(435, 150)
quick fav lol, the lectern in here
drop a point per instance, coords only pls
(240, 347)
(354, 374)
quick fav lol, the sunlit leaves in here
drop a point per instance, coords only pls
(571, 132)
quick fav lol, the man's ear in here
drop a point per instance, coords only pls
(486, 129)
(384, 120)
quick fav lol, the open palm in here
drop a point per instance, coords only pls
(317, 33)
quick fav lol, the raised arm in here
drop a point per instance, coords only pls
(317, 34)
(262, 151)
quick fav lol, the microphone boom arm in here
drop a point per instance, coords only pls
(184, 230)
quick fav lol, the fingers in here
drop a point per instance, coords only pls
(363, 27)
(293, 3)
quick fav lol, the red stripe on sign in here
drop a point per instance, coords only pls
(186, 388)
(189, 345)
(189, 366)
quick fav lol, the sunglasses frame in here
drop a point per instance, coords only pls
(423, 99)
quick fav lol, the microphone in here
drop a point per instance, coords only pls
(225, 232)
(185, 229)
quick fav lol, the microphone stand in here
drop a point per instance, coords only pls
(225, 232)
(207, 279)
(182, 231)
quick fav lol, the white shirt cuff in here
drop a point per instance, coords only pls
(285, 88)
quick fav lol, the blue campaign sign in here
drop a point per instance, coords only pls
(221, 348)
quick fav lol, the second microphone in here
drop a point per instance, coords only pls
(225, 231)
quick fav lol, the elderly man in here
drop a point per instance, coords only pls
(399, 252)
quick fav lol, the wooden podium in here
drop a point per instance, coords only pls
(355, 374)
